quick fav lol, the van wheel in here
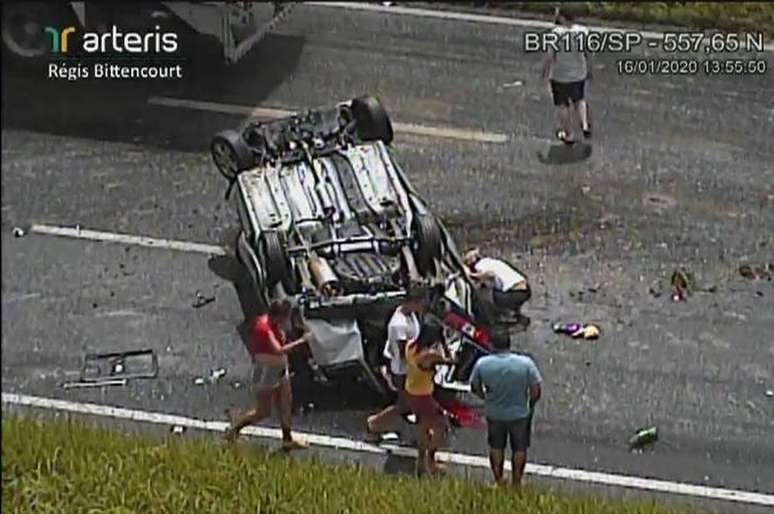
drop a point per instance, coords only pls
(274, 259)
(231, 153)
(373, 124)
(427, 244)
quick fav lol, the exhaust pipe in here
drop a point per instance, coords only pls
(323, 276)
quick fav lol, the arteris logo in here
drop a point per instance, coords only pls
(59, 39)
(114, 41)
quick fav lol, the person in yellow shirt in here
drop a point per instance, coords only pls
(422, 356)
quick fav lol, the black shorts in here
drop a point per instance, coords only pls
(518, 431)
(511, 299)
(564, 92)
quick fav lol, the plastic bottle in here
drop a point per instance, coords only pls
(644, 436)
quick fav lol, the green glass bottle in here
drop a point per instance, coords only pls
(643, 437)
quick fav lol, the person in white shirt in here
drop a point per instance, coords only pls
(566, 73)
(510, 289)
(402, 328)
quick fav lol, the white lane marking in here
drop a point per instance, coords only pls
(484, 18)
(203, 105)
(123, 313)
(20, 297)
(579, 475)
(111, 237)
(266, 112)
(451, 133)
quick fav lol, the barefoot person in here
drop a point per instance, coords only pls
(271, 377)
(566, 72)
(510, 385)
(422, 356)
(402, 328)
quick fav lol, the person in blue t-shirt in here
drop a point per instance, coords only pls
(510, 385)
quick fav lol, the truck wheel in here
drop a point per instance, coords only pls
(274, 259)
(373, 124)
(230, 153)
(427, 244)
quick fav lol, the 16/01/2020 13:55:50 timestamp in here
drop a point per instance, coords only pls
(689, 66)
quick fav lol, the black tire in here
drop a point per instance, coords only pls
(241, 258)
(427, 244)
(252, 295)
(373, 124)
(231, 153)
(275, 261)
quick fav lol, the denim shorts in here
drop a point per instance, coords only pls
(268, 377)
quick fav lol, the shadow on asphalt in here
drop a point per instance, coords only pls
(226, 267)
(117, 110)
(564, 154)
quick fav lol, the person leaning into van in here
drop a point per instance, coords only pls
(510, 289)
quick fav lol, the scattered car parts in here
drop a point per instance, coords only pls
(96, 383)
(99, 367)
(202, 300)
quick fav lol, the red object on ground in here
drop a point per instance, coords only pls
(464, 416)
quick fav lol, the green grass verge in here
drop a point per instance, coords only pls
(727, 16)
(61, 467)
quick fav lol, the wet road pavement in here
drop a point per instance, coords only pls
(680, 174)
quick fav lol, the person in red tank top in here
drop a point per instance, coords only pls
(263, 330)
(271, 378)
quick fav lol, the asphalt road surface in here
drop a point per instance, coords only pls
(681, 173)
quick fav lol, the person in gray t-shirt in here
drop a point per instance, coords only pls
(566, 71)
